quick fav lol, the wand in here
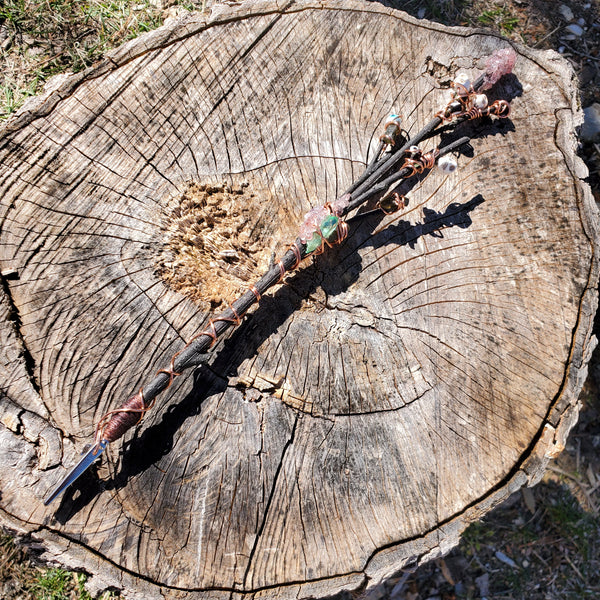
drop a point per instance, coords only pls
(396, 158)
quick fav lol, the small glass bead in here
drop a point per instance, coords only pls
(447, 164)
(315, 242)
(329, 226)
(389, 205)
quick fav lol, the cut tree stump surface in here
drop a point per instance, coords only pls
(365, 413)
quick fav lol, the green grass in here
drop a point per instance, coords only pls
(501, 18)
(57, 584)
(45, 37)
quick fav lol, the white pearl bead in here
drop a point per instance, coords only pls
(480, 101)
(447, 164)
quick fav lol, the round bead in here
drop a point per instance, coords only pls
(463, 79)
(447, 164)
(480, 101)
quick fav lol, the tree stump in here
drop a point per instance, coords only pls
(364, 414)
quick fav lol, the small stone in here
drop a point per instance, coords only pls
(590, 130)
(389, 205)
(581, 21)
(315, 242)
(329, 227)
(463, 79)
(566, 12)
(575, 29)
(312, 219)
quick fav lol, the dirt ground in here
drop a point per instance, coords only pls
(544, 543)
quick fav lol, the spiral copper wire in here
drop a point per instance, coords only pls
(474, 113)
(256, 293)
(115, 423)
(500, 108)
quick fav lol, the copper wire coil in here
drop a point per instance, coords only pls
(414, 164)
(428, 159)
(297, 253)
(342, 231)
(170, 371)
(474, 113)
(116, 422)
(501, 108)
(281, 271)
(256, 293)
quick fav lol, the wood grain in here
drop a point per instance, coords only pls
(393, 392)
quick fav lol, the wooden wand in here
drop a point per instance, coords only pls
(396, 158)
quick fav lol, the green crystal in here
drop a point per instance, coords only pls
(314, 243)
(329, 226)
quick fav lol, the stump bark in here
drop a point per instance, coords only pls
(365, 413)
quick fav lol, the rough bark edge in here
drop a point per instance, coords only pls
(564, 409)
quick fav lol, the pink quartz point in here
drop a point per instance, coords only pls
(499, 63)
(312, 220)
(338, 206)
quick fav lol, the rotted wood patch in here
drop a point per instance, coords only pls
(215, 241)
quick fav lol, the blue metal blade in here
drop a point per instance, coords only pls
(89, 457)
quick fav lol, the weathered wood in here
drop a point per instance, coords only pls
(364, 414)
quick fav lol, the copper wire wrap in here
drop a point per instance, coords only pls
(281, 271)
(398, 199)
(474, 113)
(414, 164)
(171, 372)
(500, 108)
(115, 423)
(342, 231)
(256, 293)
(297, 253)
(420, 162)
(428, 159)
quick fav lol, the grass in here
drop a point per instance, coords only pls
(41, 38)
(501, 18)
(22, 579)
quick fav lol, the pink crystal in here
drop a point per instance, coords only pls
(499, 63)
(338, 206)
(312, 220)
